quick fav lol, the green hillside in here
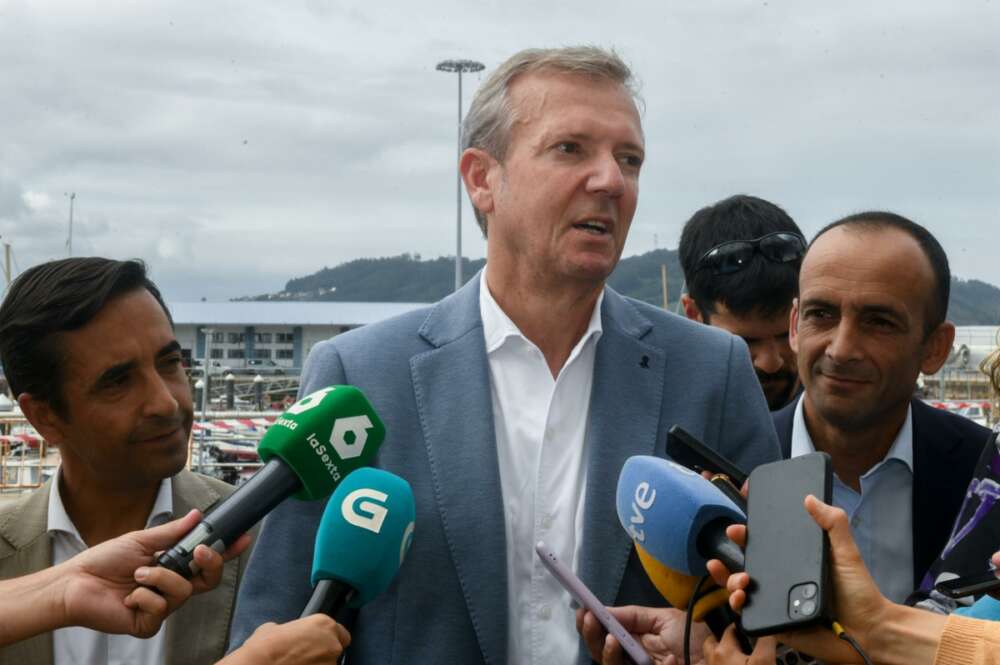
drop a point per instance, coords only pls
(408, 278)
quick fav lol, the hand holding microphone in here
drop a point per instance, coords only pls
(307, 452)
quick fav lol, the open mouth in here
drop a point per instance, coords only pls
(593, 227)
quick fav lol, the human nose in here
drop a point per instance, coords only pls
(607, 177)
(160, 399)
(843, 345)
(767, 357)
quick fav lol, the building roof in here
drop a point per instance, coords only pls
(247, 313)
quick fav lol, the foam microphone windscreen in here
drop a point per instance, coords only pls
(366, 530)
(666, 508)
(323, 437)
(677, 588)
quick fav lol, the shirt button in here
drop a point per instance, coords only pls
(545, 613)
(547, 522)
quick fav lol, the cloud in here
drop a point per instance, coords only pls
(234, 146)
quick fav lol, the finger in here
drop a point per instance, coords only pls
(238, 547)
(640, 620)
(719, 572)
(745, 490)
(343, 635)
(612, 653)
(737, 599)
(737, 533)
(165, 583)
(166, 535)
(211, 565)
(738, 582)
(150, 610)
(834, 522)
(996, 562)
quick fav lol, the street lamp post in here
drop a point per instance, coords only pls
(460, 67)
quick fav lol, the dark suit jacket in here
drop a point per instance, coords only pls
(946, 448)
(196, 633)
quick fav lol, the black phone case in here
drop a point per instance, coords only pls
(786, 549)
(695, 455)
(970, 585)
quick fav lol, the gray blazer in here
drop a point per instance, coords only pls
(196, 633)
(427, 375)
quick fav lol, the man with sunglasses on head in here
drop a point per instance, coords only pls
(741, 259)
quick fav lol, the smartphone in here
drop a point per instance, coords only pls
(970, 585)
(695, 455)
(585, 597)
(787, 554)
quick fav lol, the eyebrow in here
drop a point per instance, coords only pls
(115, 372)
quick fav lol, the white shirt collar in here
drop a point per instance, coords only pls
(498, 327)
(901, 448)
(58, 518)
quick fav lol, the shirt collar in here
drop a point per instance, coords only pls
(498, 328)
(901, 448)
(58, 518)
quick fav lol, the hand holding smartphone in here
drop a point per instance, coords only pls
(579, 591)
(787, 555)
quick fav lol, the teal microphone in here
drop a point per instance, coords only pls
(363, 537)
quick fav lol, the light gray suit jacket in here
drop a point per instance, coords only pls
(196, 633)
(427, 375)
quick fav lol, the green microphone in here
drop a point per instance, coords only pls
(307, 452)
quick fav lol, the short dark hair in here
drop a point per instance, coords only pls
(879, 220)
(763, 286)
(49, 299)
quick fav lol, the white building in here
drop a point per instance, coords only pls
(283, 332)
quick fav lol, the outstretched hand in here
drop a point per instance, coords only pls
(658, 630)
(115, 587)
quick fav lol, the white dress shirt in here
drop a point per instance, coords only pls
(882, 514)
(82, 646)
(541, 427)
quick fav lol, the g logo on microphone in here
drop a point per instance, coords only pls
(365, 514)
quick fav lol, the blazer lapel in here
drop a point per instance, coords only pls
(25, 528)
(452, 387)
(625, 407)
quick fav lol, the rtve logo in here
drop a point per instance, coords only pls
(357, 426)
(365, 514)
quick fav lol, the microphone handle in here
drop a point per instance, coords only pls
(714, 544)
(329, 597)
(234, 515)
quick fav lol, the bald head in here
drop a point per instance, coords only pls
(878, 235)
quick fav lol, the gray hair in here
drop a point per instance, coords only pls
(491, 118)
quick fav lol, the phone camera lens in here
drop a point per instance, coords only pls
(808, 608)
(809, 591)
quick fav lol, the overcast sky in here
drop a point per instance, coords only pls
(234, 145)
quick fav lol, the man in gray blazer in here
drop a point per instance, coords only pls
(88, 348)
(511, 405)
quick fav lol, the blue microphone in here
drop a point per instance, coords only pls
(363, 537)
(677, 516)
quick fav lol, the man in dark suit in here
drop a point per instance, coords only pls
(873, 296)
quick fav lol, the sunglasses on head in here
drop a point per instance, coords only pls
(735, 255)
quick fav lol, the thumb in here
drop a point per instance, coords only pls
(166, 535)
(834, 522)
